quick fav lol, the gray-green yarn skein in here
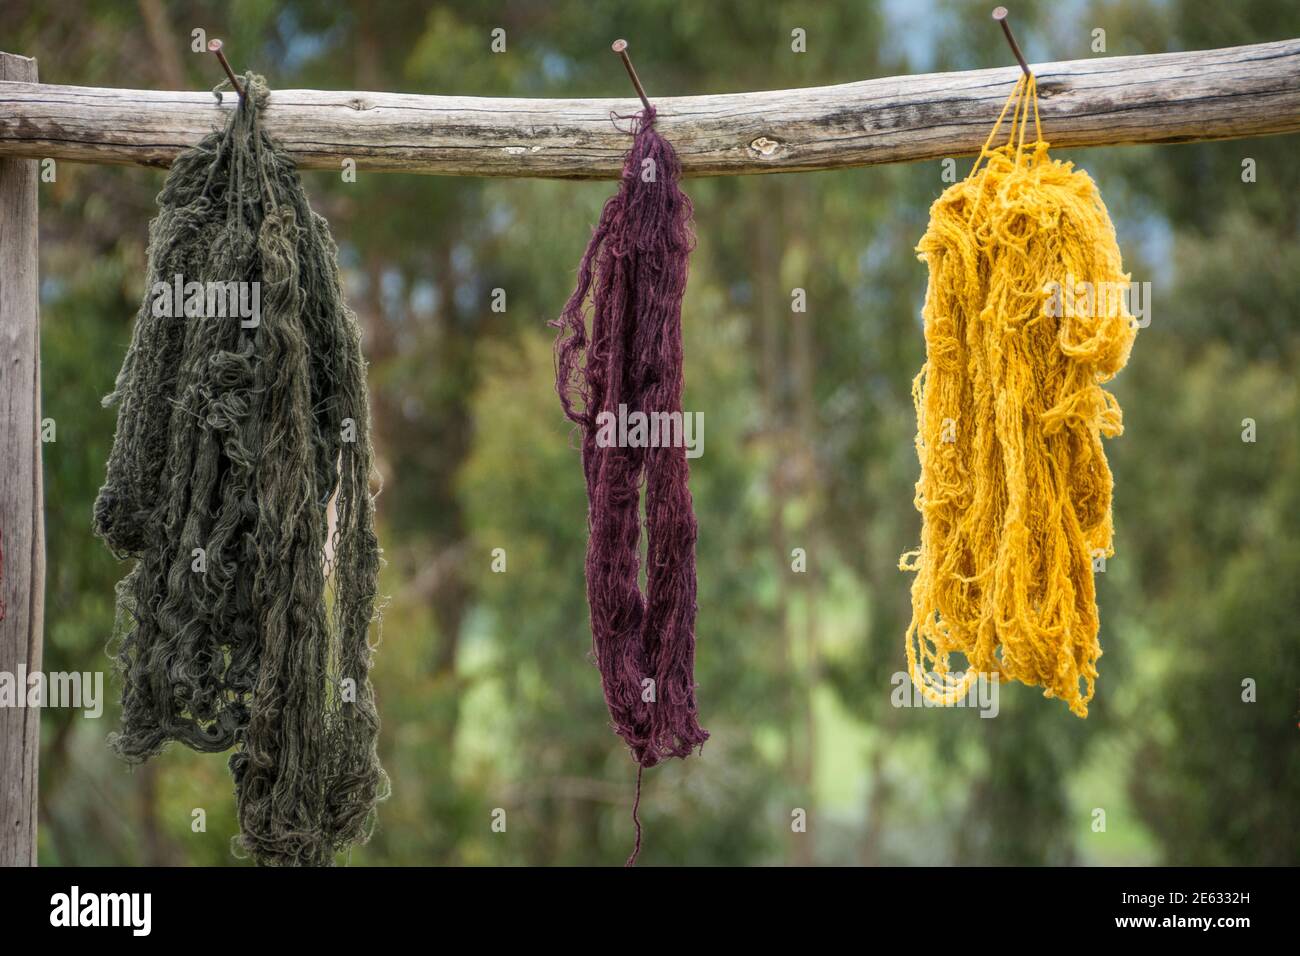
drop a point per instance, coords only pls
(252, 444)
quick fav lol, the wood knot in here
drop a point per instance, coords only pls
(357, 103)
(765, 147)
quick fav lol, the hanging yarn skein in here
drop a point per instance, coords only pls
(1024, 321)
(239, 481)
(634, 274)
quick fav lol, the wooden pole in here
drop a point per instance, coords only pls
(22, 515)
(1162, 98)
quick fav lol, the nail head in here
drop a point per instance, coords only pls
(618, 46)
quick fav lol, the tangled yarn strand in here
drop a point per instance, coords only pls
(1014, 490)
(240, 443)
(633, 277)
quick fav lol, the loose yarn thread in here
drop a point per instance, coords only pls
(633, 277)
(244, 442)
(1015, 490)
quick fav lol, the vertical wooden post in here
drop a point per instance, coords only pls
(22, 510)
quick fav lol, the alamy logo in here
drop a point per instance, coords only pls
(653, 430)
(75, 908)
(72, 689)
(1086, 300)
(982, 695)
(208, 300)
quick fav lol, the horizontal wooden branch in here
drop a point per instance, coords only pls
(1162, 98)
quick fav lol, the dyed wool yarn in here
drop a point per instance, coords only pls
(1024, 322)
(239, 482)
(634, 274)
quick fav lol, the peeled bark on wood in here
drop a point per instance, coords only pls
(1161, 98)
(22, 517)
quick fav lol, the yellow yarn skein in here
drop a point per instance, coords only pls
(1024, 321)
